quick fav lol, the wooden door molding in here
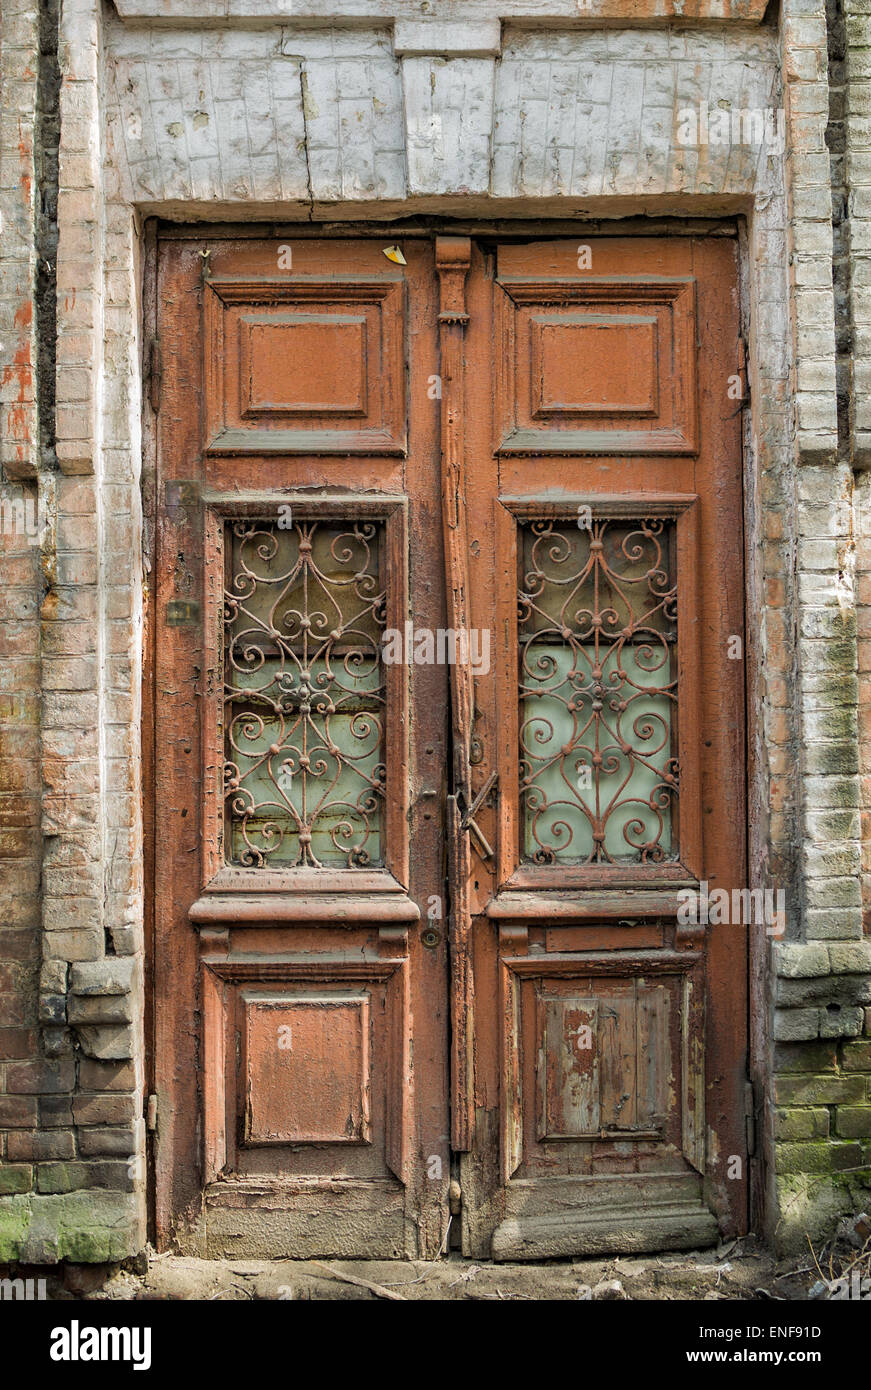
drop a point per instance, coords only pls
(305, 979)
(649, 320)
(684, 871)
(299, 893)
(270, 346)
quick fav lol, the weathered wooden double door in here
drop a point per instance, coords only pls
(446, 725)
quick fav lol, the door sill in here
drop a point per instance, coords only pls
(264, 1218)
(669, 1226)
(269, 1191)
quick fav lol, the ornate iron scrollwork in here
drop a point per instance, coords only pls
(598, 690)
(304, 774)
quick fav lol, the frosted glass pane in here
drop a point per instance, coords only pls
(564, 800)
(304, 695)
(598, 693)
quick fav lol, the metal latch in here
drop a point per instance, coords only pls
(468, 822)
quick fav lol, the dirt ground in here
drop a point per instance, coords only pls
(737, 1271)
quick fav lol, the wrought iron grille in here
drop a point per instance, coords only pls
(598, 691)
(304, 694)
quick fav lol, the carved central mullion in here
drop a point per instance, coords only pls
(453, 259)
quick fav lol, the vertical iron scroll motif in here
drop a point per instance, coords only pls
(598, 691)
(304, 772)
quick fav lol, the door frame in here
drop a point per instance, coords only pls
(484, 230)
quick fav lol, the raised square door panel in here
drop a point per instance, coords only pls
(624, 348)
(602, 1065)
(597, 365)
(302, 364)
(306, 1068)
(605, 1062)
(305, 366)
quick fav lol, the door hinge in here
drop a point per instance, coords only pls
(154, 373)
(750, 1118)
(151, 1113)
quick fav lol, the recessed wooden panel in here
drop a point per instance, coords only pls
(305, 365)
(305, 1066)
(602, 1065)
(604, 1062)
(596, 366)
(593, 364)
(307, 1073)
(302, 364)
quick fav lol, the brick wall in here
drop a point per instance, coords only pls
(21, 1108)
(21, 1105)
(854, 75)
(582, 120)
(70, 1082)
